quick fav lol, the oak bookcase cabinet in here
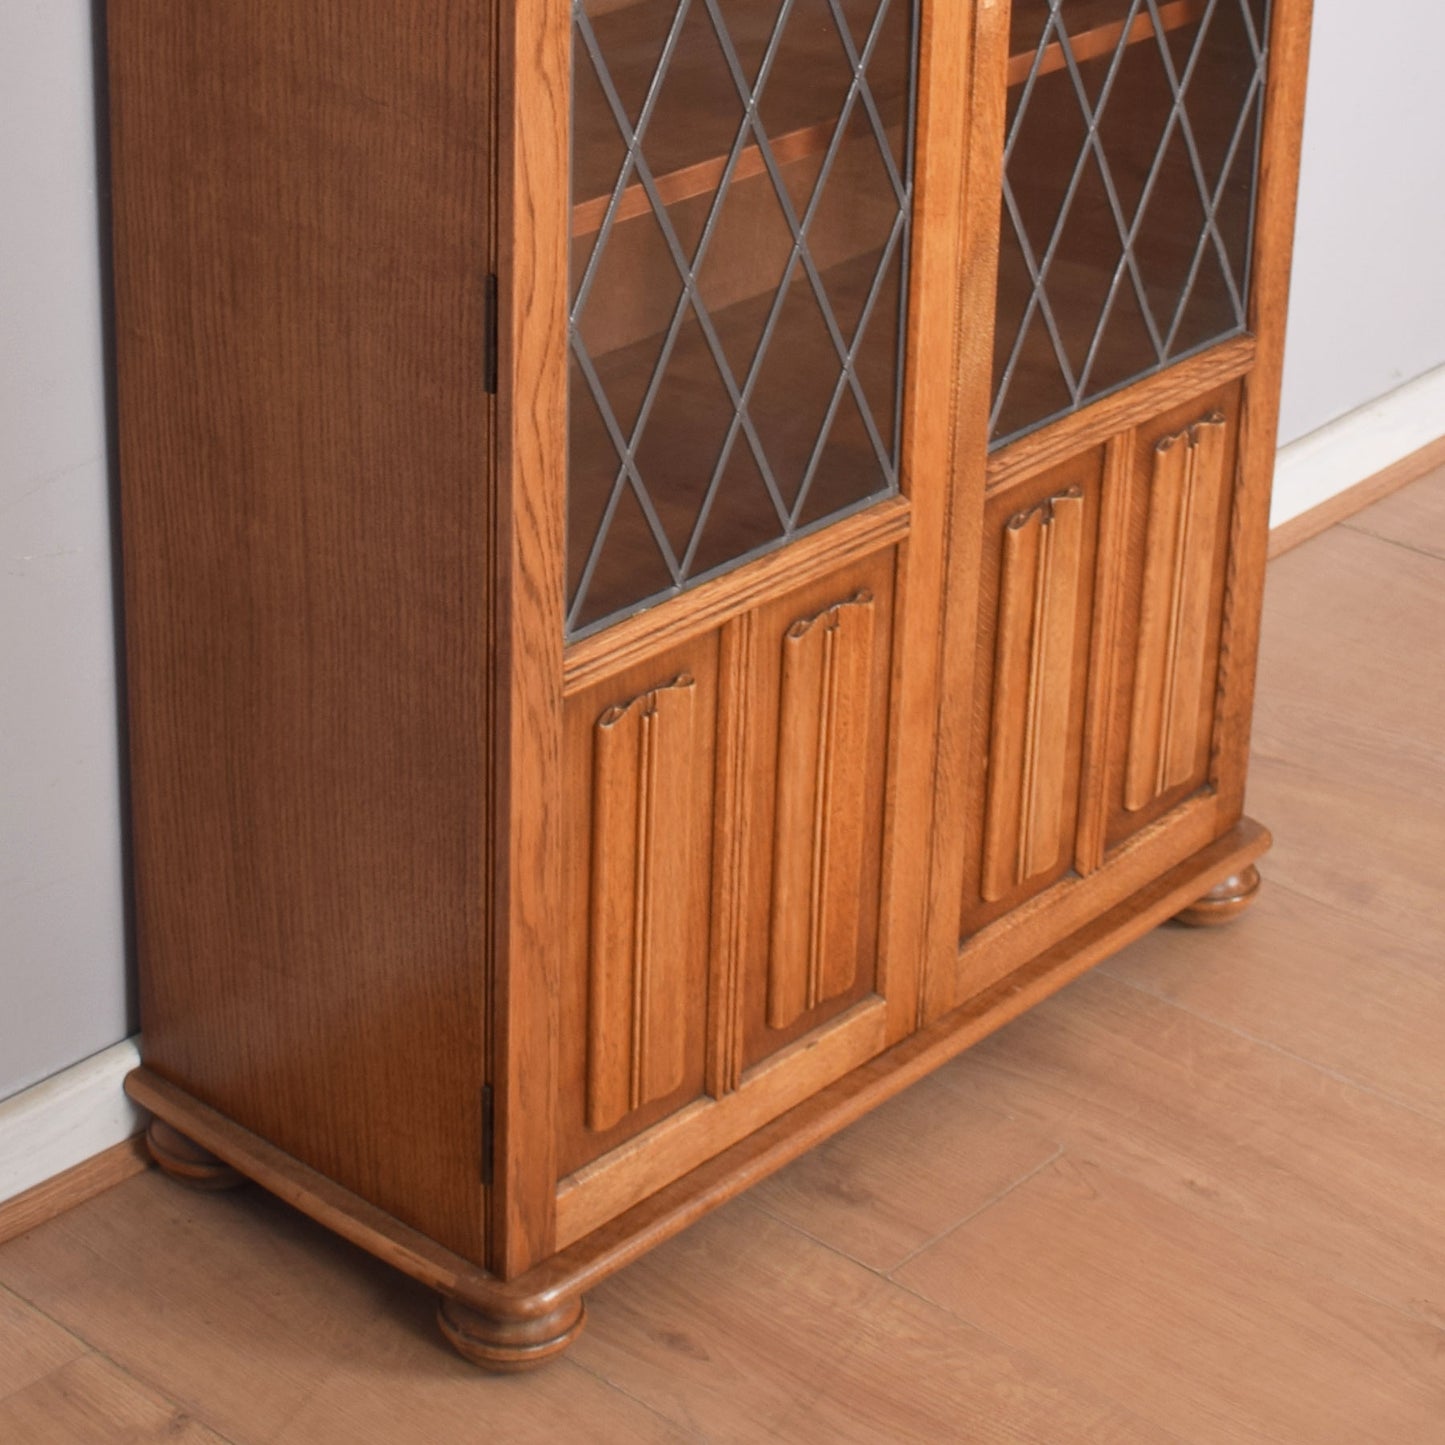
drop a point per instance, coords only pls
(684, 561)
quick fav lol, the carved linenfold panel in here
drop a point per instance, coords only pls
(1175, 611)
(1029, 739)
(643, 771)
(823, 742)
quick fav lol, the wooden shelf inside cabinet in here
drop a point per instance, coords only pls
(799, 114)
(1093, 32)
(801, 124)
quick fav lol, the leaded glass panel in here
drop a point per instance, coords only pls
(1128, 194)
(742, 178)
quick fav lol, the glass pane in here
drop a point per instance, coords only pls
(742, 193)
(1128, 203)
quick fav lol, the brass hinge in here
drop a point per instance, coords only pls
(488, 1135)
(489, 365)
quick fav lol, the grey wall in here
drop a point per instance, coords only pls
(62, 969)
(1367, 310)
(1368, 314)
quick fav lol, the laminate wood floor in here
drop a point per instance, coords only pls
(1198, 1196)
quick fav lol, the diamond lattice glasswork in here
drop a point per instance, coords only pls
(1128, 194)
(742, 202)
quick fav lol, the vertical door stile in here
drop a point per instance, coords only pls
(1101, 730)
(533, 69)
(963, 122)
(732, 842)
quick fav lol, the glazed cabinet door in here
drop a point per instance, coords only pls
(1083, 731)
(749, 331)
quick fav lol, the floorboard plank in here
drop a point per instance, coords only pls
(1413, 517)
(1315, 982)
(1351, 658)
(269, 1329)
(31, 1346)
(1182, 1321)
(1342, 1183)
(743, 1330)
(91, 1402)
(905, 1174)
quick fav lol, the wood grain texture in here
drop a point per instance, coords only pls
(1348, 750)
(861, 1082)
(642, 867)
(32, 1346)
(1014, 835)
(1139, 403)
(1020, 933)
(640, 815)
(1100, 735)
(1174, 625)
(317, 1344)
(824, 716)
(90, 1400)
(688, 1138)
(747, 1330)
(1182, 1319)
(976, 110)
(1160, 712)
(905, 1174)
(529, 820)
(71, 1187)
(1278, 1151)
(738, 745)
(305, 449)
(784, 935)
(1033, 678)
(1250, 1245)
(1275, 207)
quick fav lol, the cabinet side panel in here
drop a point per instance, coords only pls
(302, 231)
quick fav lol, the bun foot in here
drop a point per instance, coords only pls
(1224, 902)
(185, 1160)
(509, 1346)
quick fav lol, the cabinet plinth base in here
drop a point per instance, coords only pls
(185, 1160)
(510, 1346)
(517, 1324)
(1224, 902)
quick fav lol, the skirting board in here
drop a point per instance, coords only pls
(66, 1120)
(1357, 447)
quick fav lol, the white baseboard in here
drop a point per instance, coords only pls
(1358, 445)
(66, 1119)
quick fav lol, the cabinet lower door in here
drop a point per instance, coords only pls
(1102, 592)
(741, 236)
(724, 865)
